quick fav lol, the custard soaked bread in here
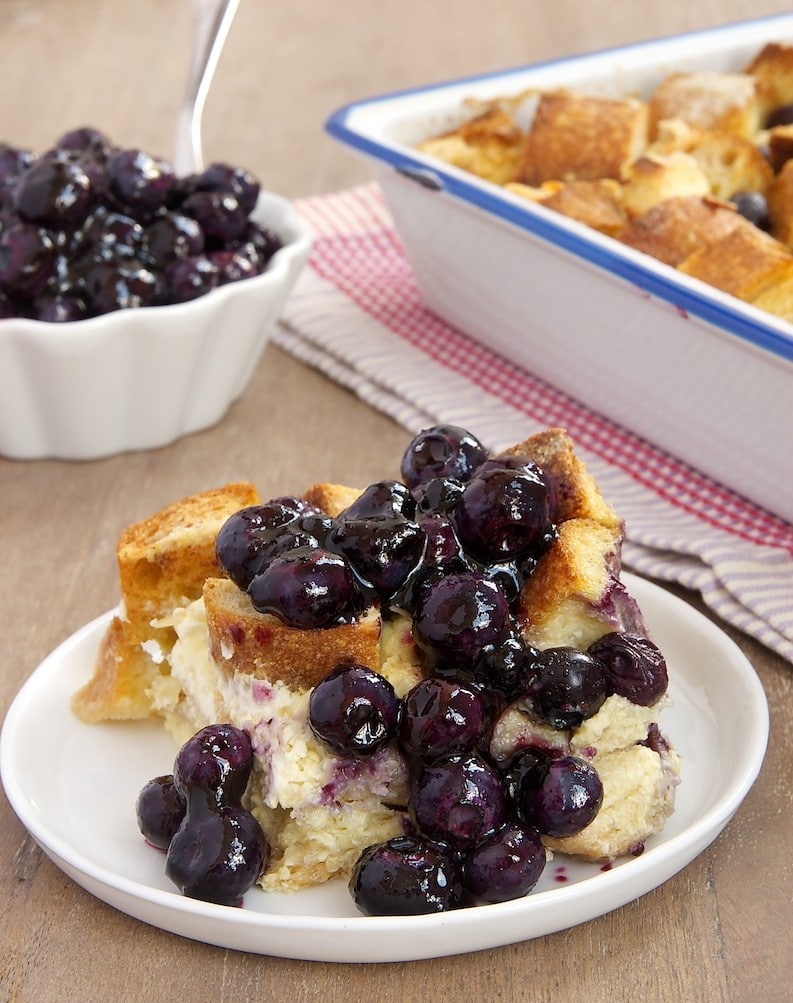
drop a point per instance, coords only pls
(672, 175)
(464, 626)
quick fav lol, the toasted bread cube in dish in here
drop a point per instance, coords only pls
(744, 263)
(577, 137)
(729, 102)
(596, 204)
(773, 68)
(676, 228)
(490, 146)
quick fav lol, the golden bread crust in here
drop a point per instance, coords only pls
(118, 689)
(164, 560)
(729, 102)
(576, 492)
(743, 263)
(578, 137)
(243, 640)
(597, 204)
(489, 145)
(772, 67)
(675, 229)
(331, 498)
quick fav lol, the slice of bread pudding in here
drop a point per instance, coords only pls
(498, 573)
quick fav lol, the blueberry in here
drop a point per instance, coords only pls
(381, 500)
(506, 865)
(160, 809)
(459, 615)
(354, 710)
(754, 207)
(384, 552)
(305, 588)
(219, 214)
(55, 193)
(458, 801)
(405, 876)
(217, 853)
(503, 513)
(440, 717)
(140, 182)
(172, 235)
(634, 667)
(508, 666)
(567, 686)
(560, 796)
(232, 266)
(441, 451)
(246, 533)
(235, 181)
(216, 761)
(28, 260)
(188, 278)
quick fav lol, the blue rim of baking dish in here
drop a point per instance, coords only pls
(617, 260)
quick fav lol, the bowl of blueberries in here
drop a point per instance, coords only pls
(134, 303)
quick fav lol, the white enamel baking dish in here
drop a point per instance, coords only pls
(697, 372)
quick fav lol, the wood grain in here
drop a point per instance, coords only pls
(719, 930)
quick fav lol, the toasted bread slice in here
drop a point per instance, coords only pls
(245, 641)
(163, 562)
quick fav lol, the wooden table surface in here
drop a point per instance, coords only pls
(719, 930)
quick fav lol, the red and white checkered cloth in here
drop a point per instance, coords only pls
(356, 314)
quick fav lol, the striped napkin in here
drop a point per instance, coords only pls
(356, 315)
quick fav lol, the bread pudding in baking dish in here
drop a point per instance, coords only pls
(435, 672)
(699, 174)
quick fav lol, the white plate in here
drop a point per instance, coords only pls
(74, 787)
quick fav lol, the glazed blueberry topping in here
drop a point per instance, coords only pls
(354, 710)
(308, 587)
(381, 500)
(160, 809)
(503, 513)
(246, 533)
(567, 686)
(559, 796)
(634, 667)
(417, 547)
(441, 451)
(116, 229)
(217, 853)
(508, 666)
(405, 876)
(215, 848)
(217, 761)
(458, 801)
(459, 615)
(505, 865)
(383, 552)
(440, 717)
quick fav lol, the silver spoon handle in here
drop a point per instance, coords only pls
(211, 22)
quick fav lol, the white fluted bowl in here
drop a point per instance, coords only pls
(141, 378)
